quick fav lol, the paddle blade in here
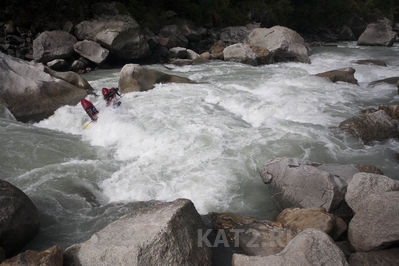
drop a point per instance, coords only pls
(85, 126)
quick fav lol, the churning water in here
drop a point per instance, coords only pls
(206, 142)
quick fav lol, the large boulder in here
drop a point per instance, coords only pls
(91, 50)
(376, 222)
(49, 257)
(172, 36)
(253, 237)
(310, 247)
(51, 45)
(4, 112)
(284, 43)
(120, 34)
(19, 219)
(134, 77)
(363, 185)
(32, 91)
(58, 64)
(163, 234)
(371, 126)
(387, 257)
(306, 184)
(233, 35)
(379, 33)
(240, 53)
(300, 219)
(343, 74)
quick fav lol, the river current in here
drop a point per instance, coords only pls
(206, 142)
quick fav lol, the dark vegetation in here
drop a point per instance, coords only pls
(301, 15)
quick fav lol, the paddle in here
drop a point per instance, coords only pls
(85, 126)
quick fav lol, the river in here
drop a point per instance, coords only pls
(205, 142)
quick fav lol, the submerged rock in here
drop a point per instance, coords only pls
(163, 234)
(387, 257)
(49, 257)
(91, 50)
(284, 43)
(134, 77)
(379, 34)
(371, 126)
(363, 185)
(19, 220)
(310, 247)
(343, 74)
(32, 91)
(371, 62)
(51, 45)
(376, 222)
(392, 80)
(317, 218)
(391, 110)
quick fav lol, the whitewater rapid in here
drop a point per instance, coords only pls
(206, 141)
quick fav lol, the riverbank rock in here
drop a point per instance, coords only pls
(187, 56)
(387, 257)
(378, 34)
(32, 91)
(172, 36)
(363, 185)
(134, 77)
(91, 50)
(284, 43)
(317, 218)
(371, 62)
(240, 53)
(306, 184)
(343, 74)
(371, 126)
(51, 45)
(163, 234)
(376, 222)
(216, 50)
(310, 247)
(49, 257)
(233, 35)
(19, 219)
(253, 237)
(58, 64)
(121, 35)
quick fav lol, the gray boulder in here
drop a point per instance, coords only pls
(306, 184)
(378, 34)
(134, 77)
(163, 234)
(387, 257)
(32, 91)
(300, 219)
(376, 222)
(19, 219)
(172, 36)
(284, 43)
(371, 126)
(51, 45)
(121, 35)
(240, 53)
(371, 62)
(310, 247)
(391, 110)
(233, 35)
(49, 257)
(58, 64)
(343, 74)
(363, 185)
(91, 50)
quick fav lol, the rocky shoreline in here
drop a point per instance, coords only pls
(330, 214)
